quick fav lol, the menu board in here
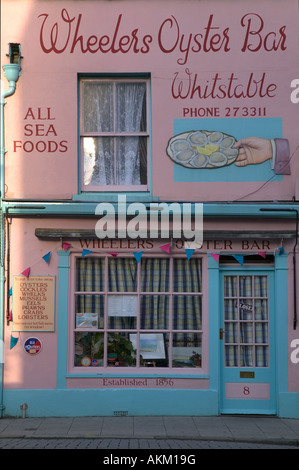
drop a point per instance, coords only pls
(33, 303)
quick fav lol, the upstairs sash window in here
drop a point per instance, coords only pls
(114, 134)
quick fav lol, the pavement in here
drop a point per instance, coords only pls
(254, 429)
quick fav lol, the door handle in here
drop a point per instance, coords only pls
(221, 332)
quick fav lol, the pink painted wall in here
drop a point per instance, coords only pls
(175, 42)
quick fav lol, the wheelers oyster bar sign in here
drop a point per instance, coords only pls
(242, 132)
(69, 35)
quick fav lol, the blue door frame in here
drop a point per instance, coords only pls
(250, 388)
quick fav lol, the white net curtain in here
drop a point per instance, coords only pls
(117, 112)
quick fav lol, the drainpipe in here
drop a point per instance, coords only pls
(12, 72)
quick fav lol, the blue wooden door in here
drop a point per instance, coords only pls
(247, 342)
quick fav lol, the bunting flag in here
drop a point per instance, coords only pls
(189, 249)
(26, 272)
(10, 292)
(215, 256)
(239, 258)
(85, 252)
(138, 255)
(189, 252)
(166, 247)
(66, 245)
(47, 257)
(13, 341)
(10, 316)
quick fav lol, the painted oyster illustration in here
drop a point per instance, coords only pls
(202, 149)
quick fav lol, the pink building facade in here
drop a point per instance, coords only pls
(149, 199)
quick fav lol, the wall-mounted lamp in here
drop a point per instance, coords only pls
(14, 53)
(12, 71)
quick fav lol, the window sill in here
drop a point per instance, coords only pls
(134, 196)
(175, 374)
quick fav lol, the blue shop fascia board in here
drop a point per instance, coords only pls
(88, 209)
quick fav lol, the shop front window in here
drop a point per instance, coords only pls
(114, 134)
(129, 314)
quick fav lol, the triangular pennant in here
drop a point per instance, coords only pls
(216, 256)
(189, 252)
(281, 250)
(13, 341)
(85, 252)
(138, 255)
(47, 257)
(10, 316)
(26, 272)
(262, 254)
(239, 258)
(166, 247)
(10, 292)
(66, 245)
(113, 254)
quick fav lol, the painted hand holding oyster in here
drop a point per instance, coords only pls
(203, 149)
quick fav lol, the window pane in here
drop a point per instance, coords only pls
(186, 350)
(245, 286)
(130, 107)
(121, 352)
(246, 333)
(230, 309)
(262, 356)
(90, 274)
(122, 311)
(131, 158)
(246, 356)
(154, 312)
(261, 309)
(89, 311)
(154, 275)
(231, 356)
(260, 286)
(89, 349)
(153, 348)
(261, 332)
(245, 309)
(97, 106)
(122, 275)
(98, 160)
(187, 312)
(230, 286)
(231, 332)
(186, 275)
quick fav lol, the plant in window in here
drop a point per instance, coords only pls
(120, 350)
(196, 358)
